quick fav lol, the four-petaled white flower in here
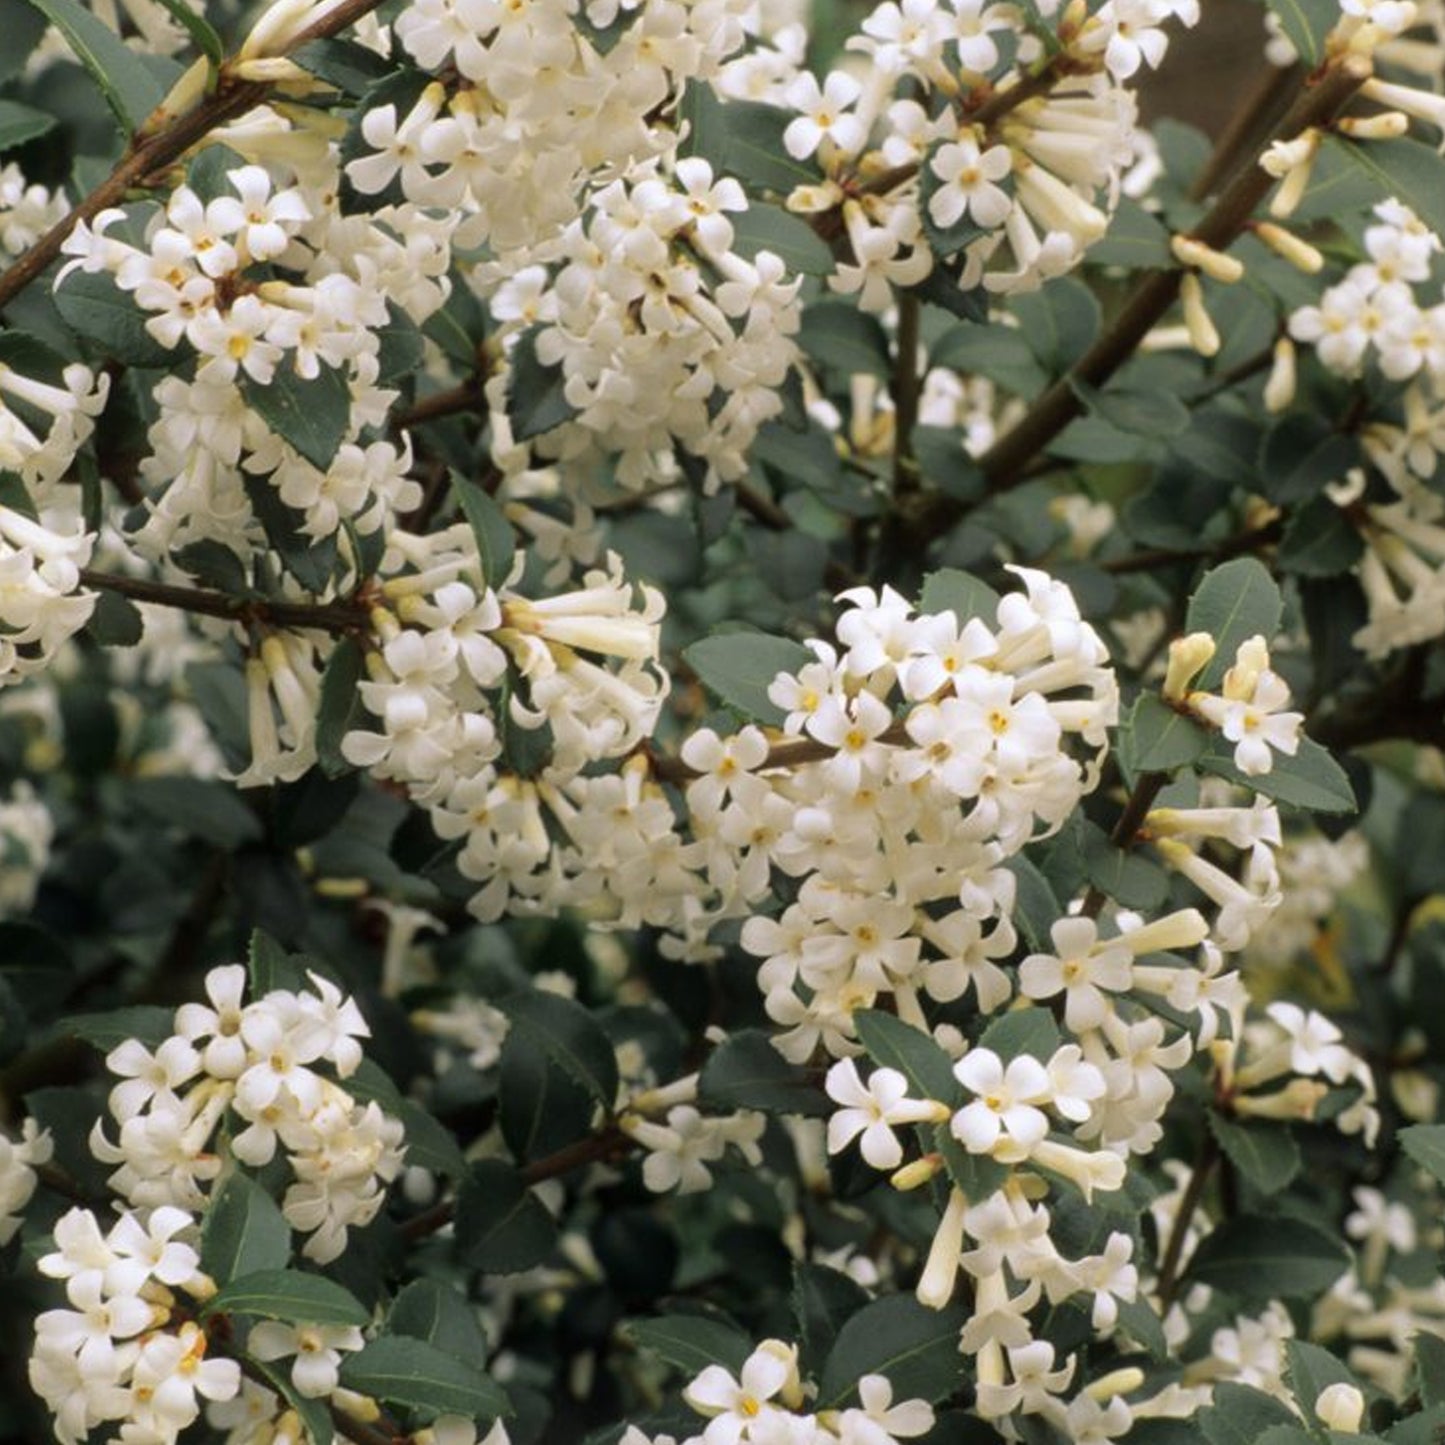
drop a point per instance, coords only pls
(873, 1110)
(969, 184)
(1003, 1119)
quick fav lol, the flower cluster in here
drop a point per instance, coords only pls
(765, 1403)
(247, 1071)
(18, 1159)
(112, 1354)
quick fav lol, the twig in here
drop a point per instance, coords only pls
(1243, 127)
(342, 617)
(1204, 1162)
(232, 98)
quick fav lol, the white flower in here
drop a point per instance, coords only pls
(1002, 1120)
(968, 187)
(732, 1405)
(825, 115)
(872, 1110)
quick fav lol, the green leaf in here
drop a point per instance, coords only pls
(212, 563)
(1135, 411)
(349, 66)
(845, 340)
(747, 1072)
(116, 621)
(1123, 876)
(1265, 1153)
(1232, 603)
(312, 416)
(306, 559)
(1240, 1414)
(1318, 541)
(1139, 1319)
(130, 86)
(977, 1175)
(422, 1378)
(541, 1107)
(1425, 1144)
(1310, 779)
(1301, 455)
(738, 667)
(770, 228)
(535, 399)
(1430, 1369)
(269, 966)
(203, 809)
(1407, 169)
(691, 1343)
(1036, 910)
(1030, 1030)
(1309, 1370)
(1135, 239)
(914, 1346)
(501, 1227)
(823, 1300)
(149, 1023)
(949, 590)
(98, 311)
(755, 152)
(289, 1295)
(1000, 353)
(897, 1045)
(22, 26)
(428, 1310)
(19, 123)
(1060, 322)
(945, 465)
(202, 32)
(1269, 1256)
(341, 709)
(244, 1231)
(1305, 24)
(496, 542)
(570, 1036)
(1162, 740)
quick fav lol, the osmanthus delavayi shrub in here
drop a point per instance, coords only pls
(721, 722)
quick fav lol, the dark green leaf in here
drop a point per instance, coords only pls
(541, 1107)
(428, 1310)
(1135, 239)
(1059, 322)
(202, 32)
(19, 123)
(1029, 1030)
(1264, 1153)
(429, 1144)
(106, 1031)
(845, 340)
(502, 1227)
(289, 1295)
(823, 1300)
(1125, 877)
(976, 1175)
(22, 26)
(130, 86)
(1310, 779)
(312, 416)
(897, 1045)
(570, 1036)
(1161, 739)
(1319, 542)
(535, 399)
(244, 1231)
(1425, 1144)
(341, 709)
(315, 1417)
(747, 1072)
(422, 1378)
(116, 621)
(1139, 1319)
(1135, 412)
(212, 563)
(496, 542)
(770, 228)
(691, 1342)
(738, 668)
(914, 1346)
(1000, 353)
(309, 561)
(945, 465)
(1409, 170)
(1301, 455)
(1430, 1369)
(199, 807)
(346, 64)
(1309, 1370)
(98, 311)
(1036, 910)
(1235, 601)
(1305, 24)
(1269, 1256)
(1240, 1414)
(755, 152)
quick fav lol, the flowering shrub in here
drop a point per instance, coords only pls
(719, 722)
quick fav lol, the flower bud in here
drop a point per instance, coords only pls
(1279, 389)
(1214, 264)
(917, 1172)
(1284, 243)
(1388, 125)
(1188, 657)
(1341, 1407)
(1116, 1382)
(1202, 335)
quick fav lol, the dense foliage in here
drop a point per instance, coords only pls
(721, 722)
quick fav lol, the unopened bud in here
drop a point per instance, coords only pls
(1249, 662)
(1291, 161)
(1422, 104)
(917, 1172)
(1388, 125)
(1116, 1382)
(1341, 1407)
(1188, 657)
(1202, 335)
(1297, 1100)
(1300, 254)
(1215, 264)
(1279, 389)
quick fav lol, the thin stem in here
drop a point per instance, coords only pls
(145, 157)
(1204, 1163)
(343, 617)
(1004, 462)
(1126, 830)
(456, 400)
(906, 385)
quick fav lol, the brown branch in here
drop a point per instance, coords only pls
(1204, 1163)
(153, 153)
(342, 617)
(468, 396)
(1005, 461)
(1244, 127)
(1237, 546)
